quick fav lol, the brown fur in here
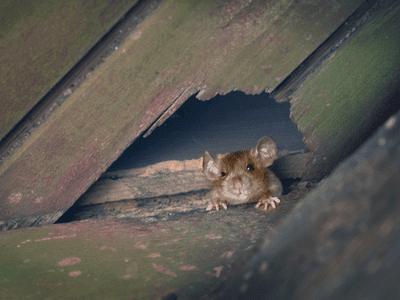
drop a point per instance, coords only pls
(241, 176)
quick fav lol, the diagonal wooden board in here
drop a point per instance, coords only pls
(40, 42)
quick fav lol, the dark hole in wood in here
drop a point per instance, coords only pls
(220, 125)
(223, 124)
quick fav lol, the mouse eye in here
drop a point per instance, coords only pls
(250, 168)
(223, 174)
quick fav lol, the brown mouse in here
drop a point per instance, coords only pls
(242, 176)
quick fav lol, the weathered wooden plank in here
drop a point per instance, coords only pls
(334, 41)
(341, 242)
(166, 178)
(339, 104)
(188, 253)
(173, 207)
(40, 42)
(184, 47)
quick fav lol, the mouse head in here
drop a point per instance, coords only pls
(262, 156)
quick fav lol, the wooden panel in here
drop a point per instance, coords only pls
(125, 258)
(339, 105)
(184, 47)
(166, 178)
(40, 42)
(341, 242)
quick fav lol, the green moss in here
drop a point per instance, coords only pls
(353, 82)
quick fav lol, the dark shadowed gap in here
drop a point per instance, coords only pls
(223, 124)
(220, 125)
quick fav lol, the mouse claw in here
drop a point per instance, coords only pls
(216, 205)
(272, 201)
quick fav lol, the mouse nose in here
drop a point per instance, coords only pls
(238, 185)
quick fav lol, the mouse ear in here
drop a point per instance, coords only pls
(266, 150)
(211, 166)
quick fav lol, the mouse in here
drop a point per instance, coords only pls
(243, 177)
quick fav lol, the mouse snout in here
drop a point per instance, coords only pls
(238, 185)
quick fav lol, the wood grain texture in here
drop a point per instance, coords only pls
(352, 94)
(40, 42)
(186, 46)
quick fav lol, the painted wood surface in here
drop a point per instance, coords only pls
(340, 242)
(185, 47)
(40, 41)
(352, 93)
(125, 258)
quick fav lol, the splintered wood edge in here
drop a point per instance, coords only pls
(170, 178)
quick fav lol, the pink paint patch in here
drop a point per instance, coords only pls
(61, 237)
(267, 69)
(227, 254)
(141, 245)
(69, 261)
(128, 276)
(188, 268)
(75, 273)
(108, 248)
(136, 35)
(162, 269)
(38, 200)
(213, 236)
(154, 255)
(14, 198)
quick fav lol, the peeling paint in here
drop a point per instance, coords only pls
(162, 269)
(69, 261)
(75, 273)
(188, 268)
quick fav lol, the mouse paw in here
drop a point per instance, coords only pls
(272, 201)
(217, 205)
